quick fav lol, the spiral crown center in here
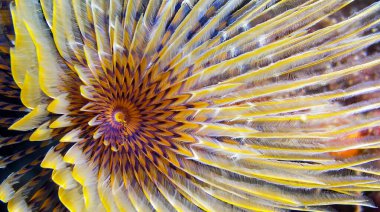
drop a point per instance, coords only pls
(120, 117)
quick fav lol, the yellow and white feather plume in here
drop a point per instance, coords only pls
(188, 105)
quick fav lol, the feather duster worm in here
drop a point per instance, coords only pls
(188, 105)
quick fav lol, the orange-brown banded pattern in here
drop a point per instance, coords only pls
(189, 105)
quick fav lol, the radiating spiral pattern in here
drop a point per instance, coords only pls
(189, 105)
